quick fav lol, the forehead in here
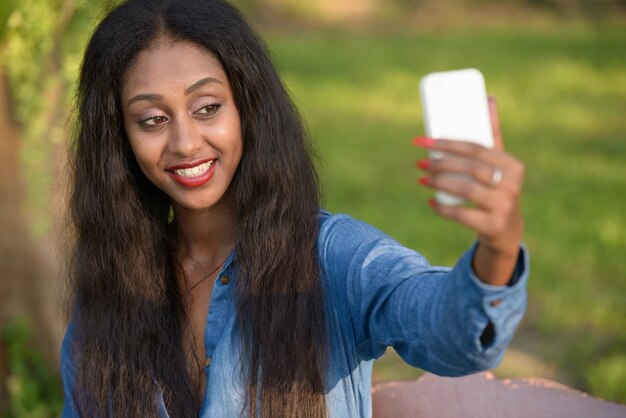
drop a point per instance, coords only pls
(173, 63)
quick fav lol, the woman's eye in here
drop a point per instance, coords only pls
(208, 110)
(153, 121)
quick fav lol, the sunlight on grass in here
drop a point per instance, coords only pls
(562, 96)
(390, 97)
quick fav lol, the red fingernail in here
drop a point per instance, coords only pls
(424, 180)
(423, 141)
(424, 164)
(432, 203)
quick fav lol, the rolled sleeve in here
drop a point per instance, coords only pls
(434, 317)
(492, 314)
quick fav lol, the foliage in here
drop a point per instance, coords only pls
(33, 391)
(6, 7)
(41, 54)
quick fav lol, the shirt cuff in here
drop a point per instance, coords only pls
(502, 306)
(520, 273)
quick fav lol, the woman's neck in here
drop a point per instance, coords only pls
(207, 236)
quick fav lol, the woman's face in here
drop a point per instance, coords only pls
(182, 122)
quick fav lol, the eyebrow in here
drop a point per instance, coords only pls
(200, 83)
(149, 97)
(157, 97)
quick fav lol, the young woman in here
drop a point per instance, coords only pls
(207, 281)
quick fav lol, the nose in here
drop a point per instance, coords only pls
(185, 139)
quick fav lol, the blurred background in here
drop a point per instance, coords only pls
(557, 68)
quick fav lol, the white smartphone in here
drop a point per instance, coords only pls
(456, 107)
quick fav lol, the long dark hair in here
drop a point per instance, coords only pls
(126, 306)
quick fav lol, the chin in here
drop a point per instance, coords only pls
(199, 205)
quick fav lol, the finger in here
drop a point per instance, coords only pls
(459, 165)
(476, 219)
(469, 150)
(482, 196)
(498, 144)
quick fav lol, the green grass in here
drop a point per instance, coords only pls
(562, 98)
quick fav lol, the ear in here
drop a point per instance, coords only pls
(495, 124)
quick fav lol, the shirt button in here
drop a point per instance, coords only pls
(495, 303)
(207, 363)
(224, 279)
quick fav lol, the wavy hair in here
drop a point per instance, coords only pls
(127, 311)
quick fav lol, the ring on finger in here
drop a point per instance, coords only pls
(496, 177)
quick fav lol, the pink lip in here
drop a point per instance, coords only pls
(192, 182)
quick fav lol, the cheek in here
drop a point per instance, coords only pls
(146, 155)
(228, 139)
(237, 153)
(237, 141)
(239, 149)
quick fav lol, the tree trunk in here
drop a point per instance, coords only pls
(28, 271)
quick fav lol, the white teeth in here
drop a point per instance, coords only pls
(195, 171)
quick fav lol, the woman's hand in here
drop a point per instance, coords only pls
(493, 187)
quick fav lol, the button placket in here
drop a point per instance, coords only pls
(216, 316)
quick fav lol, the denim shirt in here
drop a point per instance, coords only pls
(377, 294)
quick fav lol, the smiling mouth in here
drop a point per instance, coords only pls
(192, 175)
(193, 171)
